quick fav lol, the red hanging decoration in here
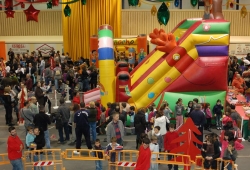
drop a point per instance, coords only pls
(231, 5)
(55, 2)
(9, 13)
(22, 5)
(31, 13)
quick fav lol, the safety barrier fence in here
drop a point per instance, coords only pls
(121, 159)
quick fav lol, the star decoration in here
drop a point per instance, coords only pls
(9, 13)
(31, 13)
(206, 27)
(22, 5)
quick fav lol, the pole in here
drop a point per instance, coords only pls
(67, 94)
(55, 107)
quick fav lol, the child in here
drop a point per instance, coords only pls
(154, 147)
(156, 133)
(76, 98)
(143, 161)
(102, 120)
(208, 152)
(168, 145)
(230, 154)
(208, 117)
(30, 137)
(190, 108)
(217, 110)
(113, 146)
(179, 108)
(97, 146)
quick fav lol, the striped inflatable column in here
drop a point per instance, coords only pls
(106, 64)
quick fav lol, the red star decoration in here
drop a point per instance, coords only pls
(31, 13)
(9, 13)
(55, 2)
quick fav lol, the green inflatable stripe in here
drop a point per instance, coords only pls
(105, 33)
(128, 121)
(187, 24)
(215, 28)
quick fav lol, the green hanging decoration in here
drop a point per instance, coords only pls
(194, 2)
(163, 14)
(70, 2)
(84, 2)
(49, 5)
(67, 11)
(133, 2)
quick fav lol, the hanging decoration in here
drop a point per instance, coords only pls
(49, 5)
(194, 2)
(31, 13)
(139, 3)
(55, 2)
(176, 3)
(168, 4)
(67, 11)
(84, 2)
(243, 11)
(163, 14)
(9, 13)
(153, 10)
(133, 2)
(22, 5)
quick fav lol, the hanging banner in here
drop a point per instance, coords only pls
(45, 48)
(242, 49)
(18, 48)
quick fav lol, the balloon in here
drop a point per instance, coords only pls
(243, 11)
(49, 5)
(163, 14)
(55, 2)
(67, 11)
(176, 3)
(84, 2)
(22, 5)
(31, 13)
(153, 10)
(9, 13)
(133, 2)
(194, 2)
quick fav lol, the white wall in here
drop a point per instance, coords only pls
(185, 5)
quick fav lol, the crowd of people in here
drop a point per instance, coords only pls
(151, 125)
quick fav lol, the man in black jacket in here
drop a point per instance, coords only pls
(42, 121)
(140, 125)
(199, 120)
(82, 127)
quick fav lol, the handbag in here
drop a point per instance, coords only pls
(31, 123)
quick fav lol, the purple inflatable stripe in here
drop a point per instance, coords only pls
(207, 51)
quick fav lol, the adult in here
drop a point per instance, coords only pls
(45, 90)
(39, 94)
(7, 105)
(92, 118)
(29, 83)
(40, 143)
(42, 121)
(63, 111)
(15, 148)
(11, 55)
(27, 115)
(239, 84)
(93, 78)
(6, 81)
(115, 129)
(199, 120)
(57, 76)
(85, 79)
(140, 125)
(20, 73)
(234, 115)
(41, 67)
(161, 120)
(81, 125)
(31, 71)
(33, 105)
(47, 74)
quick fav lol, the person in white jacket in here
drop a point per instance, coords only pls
(161, 120)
